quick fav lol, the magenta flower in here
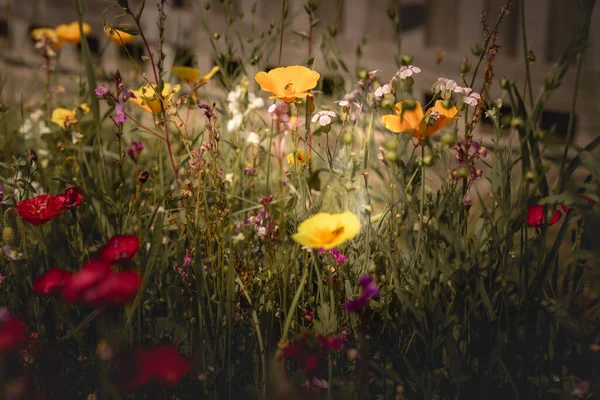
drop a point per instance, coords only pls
(120, 109)
(369, 290)
(101, 90)
(135, 150)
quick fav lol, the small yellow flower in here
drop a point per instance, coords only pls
(121, 38)
(414, 121)
(70, 32)
(192, 75)
(65, 118)
(324, 230)
(288, 83)
(299, 156)
(147, 98)
(49, 34)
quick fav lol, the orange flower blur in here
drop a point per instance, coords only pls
(288, 83)
(121, 38)
(70, 32)
(412, 119)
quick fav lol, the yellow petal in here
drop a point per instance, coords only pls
(186, 74)
(118, 36)
(212, 73)
(61, 115)
(70, 32)
(404, 120)
(324, 230)
(288, 83)
(446, 116)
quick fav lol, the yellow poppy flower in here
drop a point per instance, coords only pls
(419, 124)
(65, 118)
(324, 230)
(299, 156)
(118, 36)
(70, 32)
(50, 34)
(146, 96)
(288, 83)
(192, 75)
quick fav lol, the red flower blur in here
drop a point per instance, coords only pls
(591, 202)
(120, 249)
(71, 199)
(309, 351)
(536, 219)
(90, 275)
(40, 209)
(51, 283)
(162, 364)
(117, 289)
(13, 332)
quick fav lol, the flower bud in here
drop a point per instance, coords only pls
(505, 83)
(391, 13)
(143, 176)
(462, 171)
(476, 49)
(409, 105)
(447, 103)
(530, 176)
(31, 155)
(465, 66)
(392, 144)
(428, 161)
(388, 103)
(517, 123)
(216, 36)
(498, 103)
(551, 82)
(348, 138)
(207, 5)
(391, 156)
(326, 128)
(333, 30)
(406, 59)
(448, 138)
(540, 134)
(363, 74)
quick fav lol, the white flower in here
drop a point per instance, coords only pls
(253, 138)
(491, 114)
(239, 237)
(464, 90)
(279, 111)
(434, 115)
(343, 103)
(261, 231)
(472, 99)
(382, 91)
(229, 177)
(76, 137)
(235, 123)
(43, 129)
(447, 84)
(407, 71)
(324, 117)
(255, 102)
(236, 95)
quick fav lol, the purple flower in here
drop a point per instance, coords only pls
(339, 257)
(187, 260)
(101, 90)
(120, 109)
(369, 290)
(135, 150)
(127, 94)
(582, 389)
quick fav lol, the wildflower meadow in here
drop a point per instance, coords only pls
(176, 233)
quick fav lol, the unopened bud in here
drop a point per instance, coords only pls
(406, 60)
(505, 83)
(448, 138)
(409, 105)
(391, 156)
(447, 103)
(348, 138)
(216, 36)
(498, 103)
(391, 144)
(143, 176)
(428, 161)
(517, 123)
(465, 66)
(31, 155)
(387, 103)
(363, 74)
(462, 171)
(530, 176)
(207, 5)
(476, 49)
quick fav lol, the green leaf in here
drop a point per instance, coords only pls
(591, 163)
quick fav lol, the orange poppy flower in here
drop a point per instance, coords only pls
(288, 83)
(70, 32)
(146, 97)
(121, 38)
(412, 119)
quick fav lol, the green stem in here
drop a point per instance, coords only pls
(422, 206)
(525, 51)
(291, 311)
(283, 6)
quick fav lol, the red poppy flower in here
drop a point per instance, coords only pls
(71, 199)
(40, 209)
(120, 249)
(591, 202)
(535, 216)
(89, 275)
(51, 283)
(115, 289)
(330, 343)
(162, 364)
(13, 332)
